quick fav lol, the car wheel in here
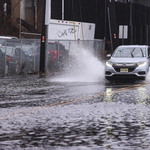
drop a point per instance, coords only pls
(17, 69)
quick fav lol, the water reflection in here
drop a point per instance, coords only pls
(143, 96)
(108, 95)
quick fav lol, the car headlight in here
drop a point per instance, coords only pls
(109, 64)
(141, 63)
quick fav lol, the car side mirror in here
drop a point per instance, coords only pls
(108, 55)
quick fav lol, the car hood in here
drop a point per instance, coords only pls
(127, 60)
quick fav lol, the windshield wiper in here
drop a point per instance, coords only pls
(132, 52)
(142, 52)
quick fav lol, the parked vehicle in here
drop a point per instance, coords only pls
(17, 60)
(28, 50)
(33, 53)
(130, 61)
(57, 51)
(58, 54)
(4, 64)
(8, 37)
(37, 54)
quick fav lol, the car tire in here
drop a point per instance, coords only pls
(17, 69)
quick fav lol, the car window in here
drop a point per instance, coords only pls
(52, 46)
(2, 49)
(27, 48)
(130, 52)
(138, 52)
(9, 50)
(1, 54)
(18, 52)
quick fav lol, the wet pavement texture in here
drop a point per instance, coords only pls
(39, 113)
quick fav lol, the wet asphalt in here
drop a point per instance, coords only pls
(41, 113)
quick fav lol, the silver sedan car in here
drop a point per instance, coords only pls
(128, 61)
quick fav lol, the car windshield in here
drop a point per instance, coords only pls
(130, 52)
(2, 41)
(9, 51)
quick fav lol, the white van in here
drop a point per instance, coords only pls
(3, 38)
(8, 37)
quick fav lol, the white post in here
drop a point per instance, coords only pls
(62, 9)
(47, 12)
(47, 18)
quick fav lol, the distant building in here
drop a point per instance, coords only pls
(131, 15)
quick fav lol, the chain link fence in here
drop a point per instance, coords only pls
(22, 56)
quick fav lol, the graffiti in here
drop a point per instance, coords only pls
(66, 32)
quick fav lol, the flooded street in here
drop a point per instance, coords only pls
(76, 109)
(47, 113)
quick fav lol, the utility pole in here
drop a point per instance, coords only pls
(20, 19)
(105, 20)
(112, 24)
(44, 36)
(131, 24)
(62, 9)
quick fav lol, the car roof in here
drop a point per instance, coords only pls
(133, 46)
(7, 46)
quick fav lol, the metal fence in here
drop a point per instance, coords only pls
(22, 56)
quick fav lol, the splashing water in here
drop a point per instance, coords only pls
(83, 67)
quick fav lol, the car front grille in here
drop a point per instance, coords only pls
(124, 76)
(129, 69)
(130, 66)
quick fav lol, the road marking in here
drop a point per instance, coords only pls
(62, 103)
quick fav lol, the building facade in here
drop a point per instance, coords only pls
(132, 19)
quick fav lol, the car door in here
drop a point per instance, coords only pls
(20, 55)
(2, 62)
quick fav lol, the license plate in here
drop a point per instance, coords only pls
(123, 69)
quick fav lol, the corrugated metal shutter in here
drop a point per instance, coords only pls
(141, 2)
